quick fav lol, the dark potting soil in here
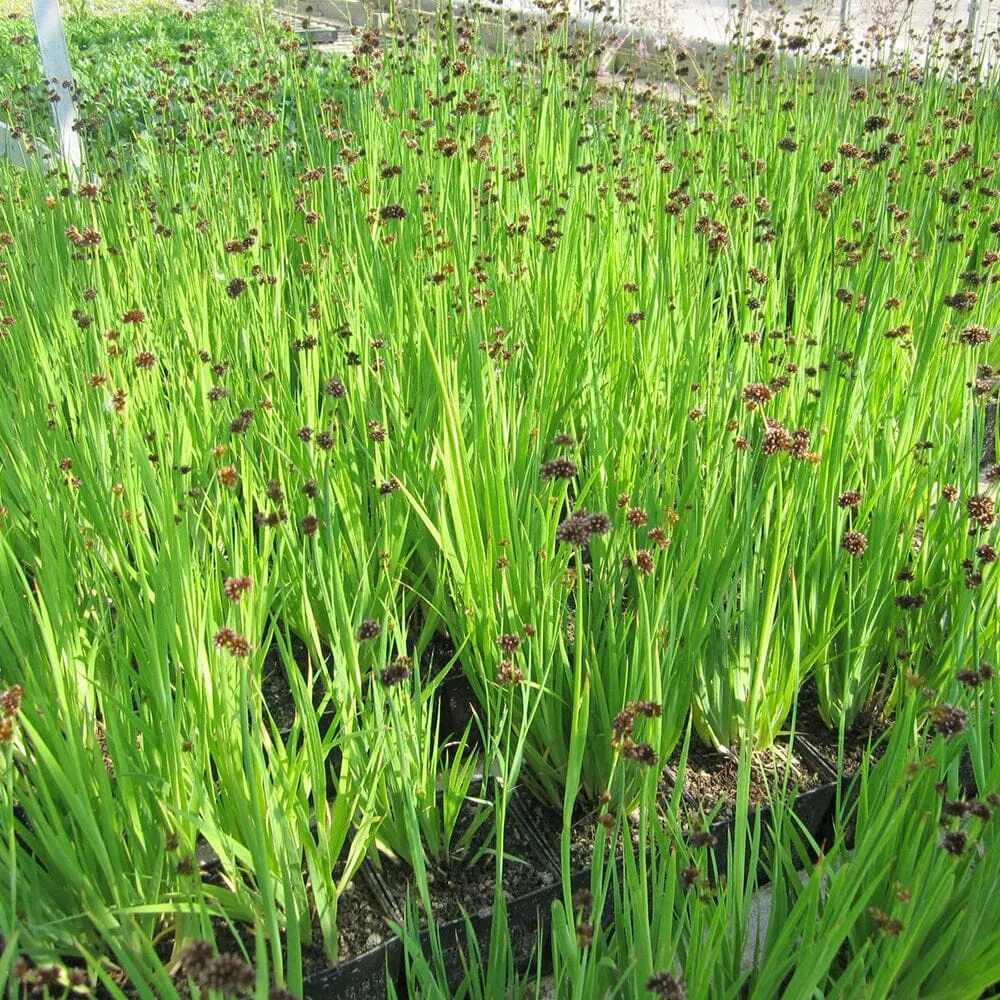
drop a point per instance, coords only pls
(468, 889)
(858, 740)
(276, 690)
(710, 782)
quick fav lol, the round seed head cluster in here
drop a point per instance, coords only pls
(558, 468)
(368, 629)
(666, 986)
(854, 543)
(581, 526)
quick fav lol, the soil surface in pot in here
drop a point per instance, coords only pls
(710, 782)
(810, 725)
(459, 888)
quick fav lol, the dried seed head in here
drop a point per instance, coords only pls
(509, 643)
(395, 673)
(229, 974)
(642, 753)
(884, 923)
(368, 629)
(558, 468)
(335, 387)
(666, 986)
(196, 958)
(309, 525)
(854, 543)
(981, 509)
(636, 516)
(954, 842)
(145, 360)
(236, 586)
(659, 536)
(564, 441)
(228, 476)
(949, 720)
(644, 562)
(580, 526)
(974, 335)
(849, 498)
(508, 674)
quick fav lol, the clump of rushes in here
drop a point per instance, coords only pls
(361, 414)
(426, 785)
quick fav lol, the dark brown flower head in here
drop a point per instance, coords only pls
(508, 674)
(849, 498)
(395, 673)
(580, 526)
(310, 489)
(854, 543)
(636, 516)
(701, 838)
(659, 536)
(230, 975)
(389, 486)
(509, 643)
(666, 986)
(324, 441)
(236, 586)
(787, 144)
(600, 524)
(559, 468)
(884, 923)
(969, 677)
(949, 720)
(145, 360)
(242, 421)
(992, 474)
(10, 700)
(875, 122)
(642, 753)
(961, 301)
(196, 958)
(564, 441)
(644, 562)
(392, 212)
(133, 316)
(236, 288)
(622, 725)
(981, 509)
(217, 392)
(647, 709)
(335, 387)
(368, 629)
(975, 335)
(228, 476)
(309, 525)
(954, 842)
(689, 877)
(273, 491)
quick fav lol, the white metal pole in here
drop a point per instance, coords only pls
(59, 74)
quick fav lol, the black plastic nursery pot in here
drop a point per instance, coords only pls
(534, 830)
(366, 977)
(810, 808)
